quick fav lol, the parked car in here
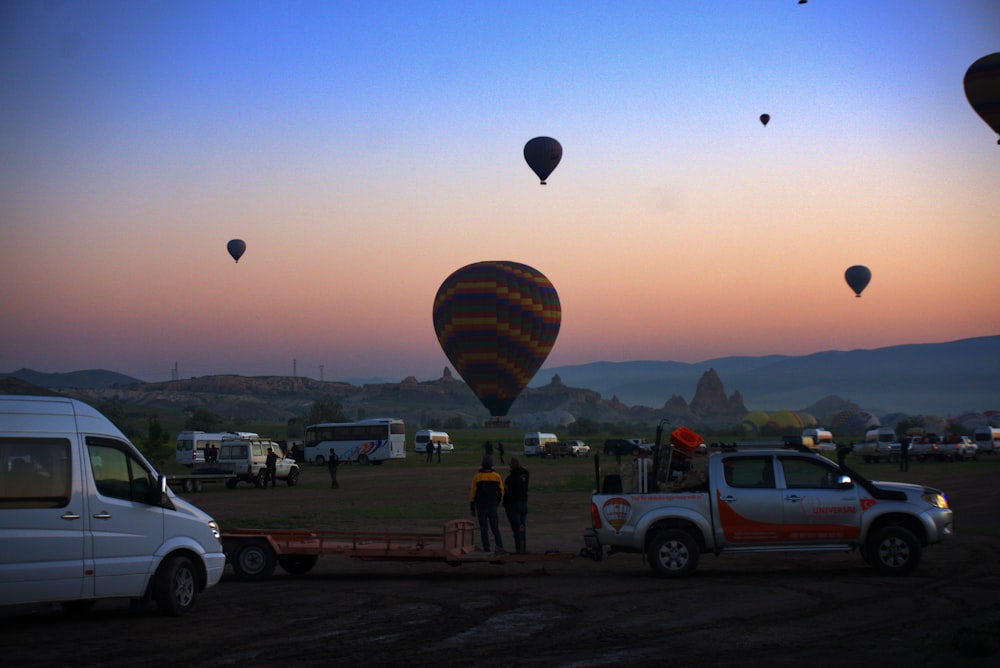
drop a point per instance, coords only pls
(579, 448)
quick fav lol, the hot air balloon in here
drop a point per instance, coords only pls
(764, 118)
(236, 248)
(982, 89)
(858, 277)
(497, 322)
(542, 154)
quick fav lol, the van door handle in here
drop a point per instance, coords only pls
(70, 515)
(103, 515)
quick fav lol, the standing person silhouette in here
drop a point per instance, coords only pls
(500, 450)
(270, 468)
(515, 502)
(485, 496)
(331, 467)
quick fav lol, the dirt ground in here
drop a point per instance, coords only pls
(736, 610)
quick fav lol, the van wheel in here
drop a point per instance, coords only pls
(320, 460)
(673, 553)
(292, 478)
(176, 586)
(297, 564)
(254, 560)
(893, 550)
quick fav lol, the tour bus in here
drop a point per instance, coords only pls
(535, 442)
(987, 439)
(435, 438)
(191, 444)
(370, 441)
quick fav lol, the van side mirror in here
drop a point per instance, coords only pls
(160, 496)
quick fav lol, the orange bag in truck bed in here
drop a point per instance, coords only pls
(685, 440)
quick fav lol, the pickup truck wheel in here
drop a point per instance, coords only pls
(176, 586)
(893, 550)
(673, 553)
(297, 564)
(292, 478)
(254, 560)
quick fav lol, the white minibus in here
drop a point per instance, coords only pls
(191, 445)
(436, 438)
(535, 442)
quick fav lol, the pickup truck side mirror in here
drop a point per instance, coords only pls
(844, 481)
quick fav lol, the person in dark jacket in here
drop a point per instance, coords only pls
(271, 468)
(331, 467)
(484, 498)
(515, 502)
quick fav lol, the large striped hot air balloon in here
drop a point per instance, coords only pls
(497, 322)
(982, 89)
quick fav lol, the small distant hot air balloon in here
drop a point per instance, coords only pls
(497, 322)
(858, 278)
(236, 248)
(982, 89)
(542, 154)
(764, 118)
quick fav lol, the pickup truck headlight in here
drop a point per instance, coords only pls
(214, 526)
(936, 499)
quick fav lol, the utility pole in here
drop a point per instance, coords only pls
(321, 373)
(295, 373)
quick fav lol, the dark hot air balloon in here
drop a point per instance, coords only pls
(764, 118)
(858, 278)
(542, 154)
(236, 248)
(982, 89)
(497, 322)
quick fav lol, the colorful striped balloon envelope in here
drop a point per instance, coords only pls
(497, 322)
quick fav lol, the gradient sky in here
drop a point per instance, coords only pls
(366, 150)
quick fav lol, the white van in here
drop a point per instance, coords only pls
(987, 439)
(191, 445)
(535, 442)
(84, 516)
(822, 438)
(425, 436)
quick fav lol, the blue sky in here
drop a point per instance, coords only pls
(365, 151)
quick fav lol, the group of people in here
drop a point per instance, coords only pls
(431, 448)
(488, 449)
(489, 491)
(211, 453)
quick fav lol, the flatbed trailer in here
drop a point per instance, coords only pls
(194, 481)
(254, 553)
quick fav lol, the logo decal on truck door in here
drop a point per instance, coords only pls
(617, 510)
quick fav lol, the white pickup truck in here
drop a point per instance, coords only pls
(767, 500)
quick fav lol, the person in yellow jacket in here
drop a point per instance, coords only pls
(484, 499)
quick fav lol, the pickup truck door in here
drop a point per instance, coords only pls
(748, 506)
(815, 507)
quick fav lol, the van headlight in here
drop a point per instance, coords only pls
(214, 526)
(936, 499)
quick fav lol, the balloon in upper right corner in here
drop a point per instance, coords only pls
(542, 154)
(982, 89)
(857, 278)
